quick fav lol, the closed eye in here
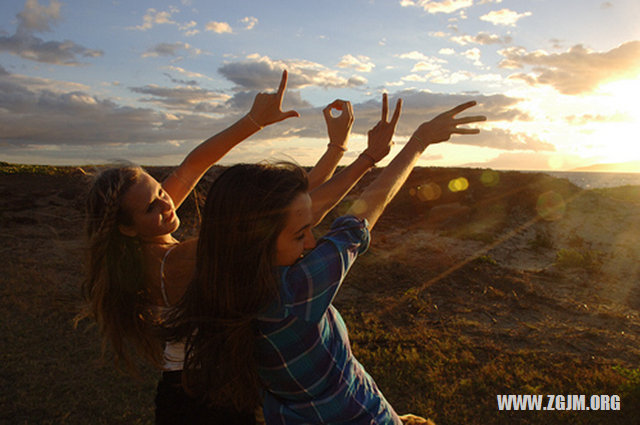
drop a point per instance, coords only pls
(152, 206)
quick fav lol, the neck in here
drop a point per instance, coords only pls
(166, 239)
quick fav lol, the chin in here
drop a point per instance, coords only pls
(174, 225)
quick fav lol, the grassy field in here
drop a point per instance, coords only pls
(445, 313)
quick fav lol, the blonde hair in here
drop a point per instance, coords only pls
(114, 289)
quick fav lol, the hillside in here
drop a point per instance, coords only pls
(513, 283)
(620, 167)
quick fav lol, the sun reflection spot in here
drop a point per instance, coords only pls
(490, 178)
(459, 185)
(359, 206)
(555, 163)
(551, 206)
(426, 192)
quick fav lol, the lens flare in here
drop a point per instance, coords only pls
(490, 178)
(427, 192)
(551, 206)
(459, 185)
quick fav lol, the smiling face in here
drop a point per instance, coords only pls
(153, 216)
(296, 235)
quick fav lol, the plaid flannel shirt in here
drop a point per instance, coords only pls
(304, 356)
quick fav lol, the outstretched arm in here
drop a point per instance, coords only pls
(327, 196)
(266, 110)
(381, 191)
(338, 128)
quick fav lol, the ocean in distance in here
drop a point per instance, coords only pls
(596, 179)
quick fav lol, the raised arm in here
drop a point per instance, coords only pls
(266, 110)
(338, 129)
(327, 196)
(381, 191)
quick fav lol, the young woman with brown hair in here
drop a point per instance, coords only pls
(257, 318)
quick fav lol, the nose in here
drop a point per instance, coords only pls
(309, 241)
(166, 205)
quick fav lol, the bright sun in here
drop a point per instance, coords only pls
(619, 138)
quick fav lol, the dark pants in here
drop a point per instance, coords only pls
(174, 406)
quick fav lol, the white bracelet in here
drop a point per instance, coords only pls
(369, 157)
(337, 147)
(254, 121)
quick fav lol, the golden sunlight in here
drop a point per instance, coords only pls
(619, 137)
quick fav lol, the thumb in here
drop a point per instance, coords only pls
(327, 113)
(290, 114)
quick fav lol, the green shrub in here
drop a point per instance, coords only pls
(584, 259)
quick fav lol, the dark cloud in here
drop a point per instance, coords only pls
(419, 107)
(36, 18)
(577, 71)
(171, 49)
(41, 114)
(32, 115)
(182, 82)
(187, 98)
(262, 73)
(54, 52)
(242, 101)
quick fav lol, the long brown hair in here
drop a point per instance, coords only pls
(114, 290)
(234, 280)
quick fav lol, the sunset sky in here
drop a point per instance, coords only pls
(96, 81)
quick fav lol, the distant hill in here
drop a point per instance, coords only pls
(620, 167)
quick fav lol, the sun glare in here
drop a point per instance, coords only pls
(626, 94)
(618, 135)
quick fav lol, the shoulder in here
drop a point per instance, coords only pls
(182, 251)
(179, 264)
(348, 230)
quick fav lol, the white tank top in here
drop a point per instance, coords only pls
(173, 351)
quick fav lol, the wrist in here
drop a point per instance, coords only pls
(252, 122)
(421, 142)
(337, 147)
(369, 158)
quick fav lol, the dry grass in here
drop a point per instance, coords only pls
(461, 303)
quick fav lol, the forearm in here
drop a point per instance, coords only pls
(329, 194)
(180, 183)
(325, 167)
(378, 194)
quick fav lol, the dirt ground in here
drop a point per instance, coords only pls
(514, 263)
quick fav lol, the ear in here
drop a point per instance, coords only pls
(127, 230)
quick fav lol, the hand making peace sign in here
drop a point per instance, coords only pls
(379, 137)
